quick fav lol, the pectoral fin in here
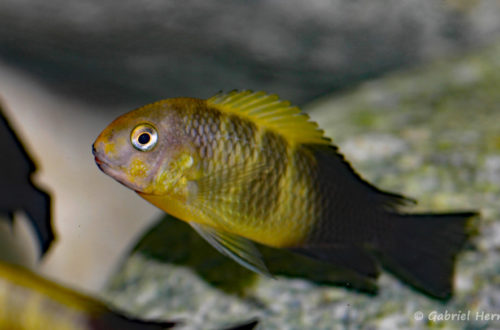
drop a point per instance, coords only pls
(240, 249)
(220, 194)
(221, 182)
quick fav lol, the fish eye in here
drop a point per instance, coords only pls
(144, 137)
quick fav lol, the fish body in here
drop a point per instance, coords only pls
(29, 301)
(247, 167)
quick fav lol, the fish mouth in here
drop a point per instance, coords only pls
(103, 165)
(97, 160)
(112, 172)
(115, 173)
(94, 151)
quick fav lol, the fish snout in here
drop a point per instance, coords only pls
(97, 156)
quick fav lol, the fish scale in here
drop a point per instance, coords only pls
(245, 167)
(254, 193)
(261, 200)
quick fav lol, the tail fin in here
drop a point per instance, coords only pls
(421, 249)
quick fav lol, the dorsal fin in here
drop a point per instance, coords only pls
(268, 111)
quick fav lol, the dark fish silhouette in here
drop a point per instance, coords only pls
(17, 190)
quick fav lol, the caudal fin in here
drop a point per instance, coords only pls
(421, 249)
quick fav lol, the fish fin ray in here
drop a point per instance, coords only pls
(336, 169)
(223, 180)
(269, 111)
(222, 211)
(217, 194)
(421, 249)
(221, 193)
(238, 248)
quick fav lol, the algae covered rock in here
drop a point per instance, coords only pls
(432, 134)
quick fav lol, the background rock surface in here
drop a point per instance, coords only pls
(131, 52)
(67, 68)
(431, 134)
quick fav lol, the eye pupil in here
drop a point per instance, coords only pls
(144, 138)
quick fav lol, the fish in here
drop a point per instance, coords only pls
(18, 192)
(246, 168)
(30, 301)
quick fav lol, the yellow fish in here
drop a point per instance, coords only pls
(245, 167)
(28, 301)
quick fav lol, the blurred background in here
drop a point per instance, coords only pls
(67, 68)
(134, 52)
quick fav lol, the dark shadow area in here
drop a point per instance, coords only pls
(17, 190)
(131, 53)
(173, 241)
